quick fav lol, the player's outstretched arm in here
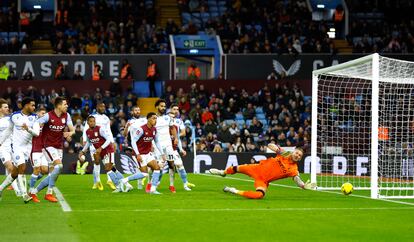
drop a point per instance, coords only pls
(304, 185)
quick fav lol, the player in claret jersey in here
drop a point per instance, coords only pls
(54, 124)
(101, 140)
(102, 121)
(282, 166)
(141, 142)
(22, 128)
(38, 159)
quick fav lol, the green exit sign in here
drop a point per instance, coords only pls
(194, 44)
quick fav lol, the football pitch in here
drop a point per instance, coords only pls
(204, 214)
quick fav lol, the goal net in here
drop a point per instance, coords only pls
(363, 126)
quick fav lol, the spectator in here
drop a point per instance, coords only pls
(152, 75)
(12, 76)
(97, 72)
(249, 111)
(115, 88)
(193, 72)
(4, 71)
(210, 127)
(238, 146)
(206, 116)
(60, 73)
(126, 70)
(272, 76)
(28, 75)
(77, 75)
(224, 136)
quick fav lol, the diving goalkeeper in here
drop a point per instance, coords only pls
(274, 168)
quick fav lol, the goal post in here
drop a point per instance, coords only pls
(363, 126)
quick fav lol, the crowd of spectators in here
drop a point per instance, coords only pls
(254, 26)
(224, 120)
(274, 26)
(381, 26)
(100, 28)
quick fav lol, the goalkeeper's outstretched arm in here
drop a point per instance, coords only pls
(304, 185)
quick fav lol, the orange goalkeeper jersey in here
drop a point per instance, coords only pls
(277, 168)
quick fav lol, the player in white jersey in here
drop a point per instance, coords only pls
(103, 121)
(23, 126)
(130, 128)
(135, 122)
(5, 148)
(165, 130)
(178, 162)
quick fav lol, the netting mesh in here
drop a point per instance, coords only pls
(344, 131)
(344, 127)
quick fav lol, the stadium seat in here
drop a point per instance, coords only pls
(260, 116)
(263, 121)
(239, 116)
(240, 123)
(228, 121)
(186, 17)
(307, 99)
(248, 122)
(213, 9)
(211, 3)
(222, 9)
(221, 3)
(259, 110)
(214, 14)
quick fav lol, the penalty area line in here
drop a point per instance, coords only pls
(240, 209)
(295, 187)
(65, 205)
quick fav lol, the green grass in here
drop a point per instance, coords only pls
(205, 214)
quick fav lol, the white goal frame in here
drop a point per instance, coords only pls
(374, 78)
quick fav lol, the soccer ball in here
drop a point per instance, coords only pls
(347, 188)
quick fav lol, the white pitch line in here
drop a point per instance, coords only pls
(65, 205)
(295, 187)
(242, 209)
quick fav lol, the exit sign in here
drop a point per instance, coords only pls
(194, 44)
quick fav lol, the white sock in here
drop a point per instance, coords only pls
(49, 191)
(6, 182)
(97, 173)
(22, 184)
(16, 188)
(171, 173)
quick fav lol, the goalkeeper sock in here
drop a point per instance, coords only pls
(231, 170)
(252, 194)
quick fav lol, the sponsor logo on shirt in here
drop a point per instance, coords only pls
(148, 139)
(56, 127)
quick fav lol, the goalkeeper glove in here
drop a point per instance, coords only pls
(309, 186)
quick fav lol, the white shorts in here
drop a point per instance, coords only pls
(108, 158)
(177, 158)
(5, 154)
(147, 158)
(38, 159)
(52, 154)
(20, 156)
(167, 150)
